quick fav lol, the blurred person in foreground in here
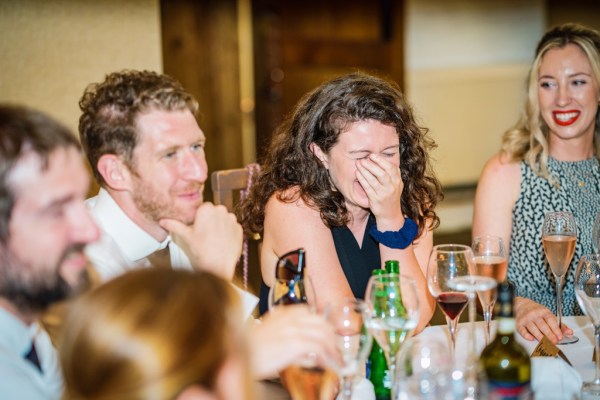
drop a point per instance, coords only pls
(156, 334)
(348, 177)
(548, 162)
(44, 227)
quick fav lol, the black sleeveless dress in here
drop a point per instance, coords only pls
(357, 262)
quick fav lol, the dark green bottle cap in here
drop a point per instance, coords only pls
(392, 266)
(378, 271)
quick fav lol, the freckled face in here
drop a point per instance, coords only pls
(568, 93)
(170, 166)
(358, 142)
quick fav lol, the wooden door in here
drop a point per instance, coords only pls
(300, 44)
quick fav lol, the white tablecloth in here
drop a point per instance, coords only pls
(579, 354)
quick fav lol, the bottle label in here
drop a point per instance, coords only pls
(506, 325)
(499, 390)
(386, 380)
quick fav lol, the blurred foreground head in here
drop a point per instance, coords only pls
(156, 334)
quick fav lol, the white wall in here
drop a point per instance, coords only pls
(467, 62)
(52, 49)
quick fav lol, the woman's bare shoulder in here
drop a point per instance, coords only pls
(500, 167)
(290, 204)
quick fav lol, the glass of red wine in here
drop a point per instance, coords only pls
(447, 262)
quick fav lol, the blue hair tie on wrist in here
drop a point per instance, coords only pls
(396, 239)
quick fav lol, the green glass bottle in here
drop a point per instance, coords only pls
(377, 368)
(392, 267)
(506, 363)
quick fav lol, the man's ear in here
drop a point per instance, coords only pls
(320, 154)
(116, 174)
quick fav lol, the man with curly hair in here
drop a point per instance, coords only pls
(146, 150)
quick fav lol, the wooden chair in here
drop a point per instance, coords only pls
(226, 188)
(227, 184)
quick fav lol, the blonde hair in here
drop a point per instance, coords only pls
(150, 334)
(528, 139)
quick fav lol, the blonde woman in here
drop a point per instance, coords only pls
(156, 334)
(548, 162)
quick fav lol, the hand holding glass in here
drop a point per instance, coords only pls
(307, 380)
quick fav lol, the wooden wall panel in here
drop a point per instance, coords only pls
(200, 49)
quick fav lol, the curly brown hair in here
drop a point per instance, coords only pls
(110, 110)
(320, 117)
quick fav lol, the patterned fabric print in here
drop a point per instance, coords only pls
(579, 193)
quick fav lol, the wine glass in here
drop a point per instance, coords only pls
(559, 234)
(446, 262)
(424, 369)
(392, 314)
(587, 291)
(596, 233)
(354, 341)
(490, 261)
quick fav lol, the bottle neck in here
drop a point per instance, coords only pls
(506, 326)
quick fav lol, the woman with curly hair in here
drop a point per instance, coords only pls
(348, 178)
(548, 162)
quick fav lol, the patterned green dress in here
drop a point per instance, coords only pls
(579, 193)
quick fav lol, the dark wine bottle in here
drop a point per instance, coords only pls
(506, 363)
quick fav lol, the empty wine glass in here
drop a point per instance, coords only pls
(354, 340)
(490, 261)
(392, 314)
(424, 369)
(559, 235)
(587, 291)
(448, 261)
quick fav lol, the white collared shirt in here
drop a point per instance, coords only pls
(124, 246)
(19, 378)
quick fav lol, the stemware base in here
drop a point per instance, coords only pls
(590, 390)
(568, 340)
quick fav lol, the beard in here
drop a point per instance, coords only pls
(33, 289)
(156, 206)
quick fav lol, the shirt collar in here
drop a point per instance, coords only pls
(16, 336)
(134, 242)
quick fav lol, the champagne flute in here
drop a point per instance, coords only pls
(596, 233)
(446, 262)
(587, 291)
(354, 341)
(392, 314)
(559, 234)
(490, 261)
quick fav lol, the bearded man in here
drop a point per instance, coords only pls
(44, 227)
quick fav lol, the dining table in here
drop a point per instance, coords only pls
(579, 354)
